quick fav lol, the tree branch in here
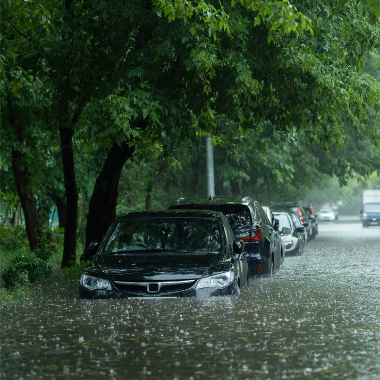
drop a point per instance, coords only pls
(14, 27)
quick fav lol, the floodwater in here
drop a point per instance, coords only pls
(317, 318)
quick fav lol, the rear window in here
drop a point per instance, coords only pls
(237, 215)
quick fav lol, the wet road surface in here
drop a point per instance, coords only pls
(317, 318)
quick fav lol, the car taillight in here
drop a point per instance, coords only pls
(312, 210)
(300, 214)
(251, 236)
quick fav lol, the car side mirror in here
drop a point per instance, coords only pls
(312, 217)
(286, 230)
(300, 229)
(238, 246)
(276, 224)
(306, 224)
(93, 247)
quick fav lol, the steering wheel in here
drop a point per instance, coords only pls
(141, 244)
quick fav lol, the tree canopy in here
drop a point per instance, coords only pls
(90, 88)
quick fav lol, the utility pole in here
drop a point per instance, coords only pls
(210, 168)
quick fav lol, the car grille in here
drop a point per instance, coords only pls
(163, 287)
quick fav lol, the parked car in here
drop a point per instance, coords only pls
(249, 223)
(313, 219)
(166, 254)
(292, 234)
(326, 214)
(277, 241)
(298, 210)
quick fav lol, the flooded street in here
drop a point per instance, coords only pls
(318, 317)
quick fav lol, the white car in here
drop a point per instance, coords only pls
(327, 214)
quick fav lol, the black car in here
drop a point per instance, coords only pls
(166, 254)
(292, 234)
(249, 223)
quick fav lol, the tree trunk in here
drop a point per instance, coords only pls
(102, 207)
(23, 185)
(61, 211)
(70, 237)
(28, 201)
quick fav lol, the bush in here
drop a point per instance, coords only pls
(24, 268)
(76, 269)
(12, 238)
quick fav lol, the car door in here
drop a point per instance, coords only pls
(242, 261)
(266, 242)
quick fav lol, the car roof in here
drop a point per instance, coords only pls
(284, 205)
(173, 213)
(214, 200)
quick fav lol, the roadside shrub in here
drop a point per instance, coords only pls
(24, 268)
(12, 238)
(76, 269)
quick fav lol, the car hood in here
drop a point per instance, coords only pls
(158, 267)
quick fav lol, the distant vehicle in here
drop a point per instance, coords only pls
(249, 223)
(292, 235)
(166, 254)
(326, 214)
(371, 208)
(313, 219)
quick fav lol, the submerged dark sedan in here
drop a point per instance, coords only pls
(168, 253)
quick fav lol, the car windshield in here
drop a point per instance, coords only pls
(283, 219)
(295, 218)
(165, 235)
(327, 211)
(238, 215)
(372, 207)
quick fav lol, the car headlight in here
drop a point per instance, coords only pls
(220, 280)
(94, 283)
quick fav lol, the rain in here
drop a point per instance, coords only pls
(317, 317)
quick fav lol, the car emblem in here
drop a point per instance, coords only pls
(153, 287)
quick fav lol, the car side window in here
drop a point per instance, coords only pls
(228, 230)
(263, 215)
(252, 208)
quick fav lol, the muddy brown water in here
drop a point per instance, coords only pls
(317, 318)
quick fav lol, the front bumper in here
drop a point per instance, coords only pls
(371, 221)
(192, 292)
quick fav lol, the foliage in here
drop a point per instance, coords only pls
(271, 81)
(24, 268)
(12, 238)
(75, 270)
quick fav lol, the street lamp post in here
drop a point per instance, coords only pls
(210, 168)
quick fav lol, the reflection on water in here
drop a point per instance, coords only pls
(319, 317)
